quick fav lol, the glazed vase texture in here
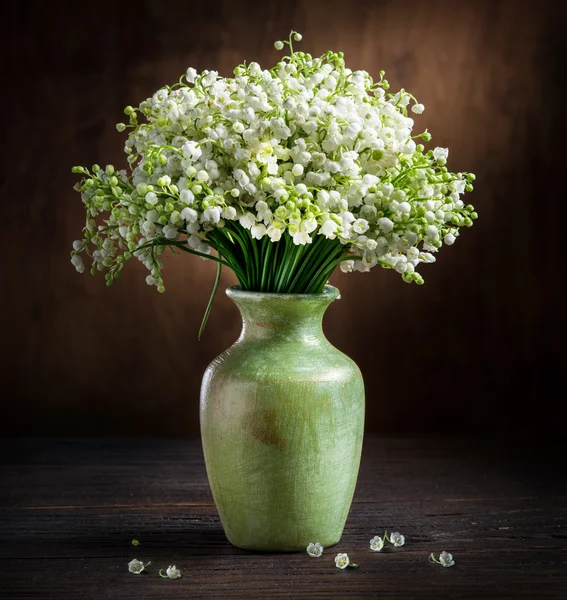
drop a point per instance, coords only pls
(282, 417)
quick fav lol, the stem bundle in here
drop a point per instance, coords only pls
(273, 267)
(277, 267)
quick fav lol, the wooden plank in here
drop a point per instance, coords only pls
(69, 509)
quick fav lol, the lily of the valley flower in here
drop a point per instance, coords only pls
(442, 153)
(342, 561)
(397, 539)
(445, 559)
(376, 543)
(315, 549)
(171, 572)
(137, 566)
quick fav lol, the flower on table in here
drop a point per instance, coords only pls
(136, 566)
(397, 539)
(445, 559)
(376, 543)
(342, 561)
(315, 549)
(171, 572)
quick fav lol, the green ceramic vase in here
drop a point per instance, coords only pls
(282, 417)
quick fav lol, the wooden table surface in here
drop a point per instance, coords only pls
(69, 509)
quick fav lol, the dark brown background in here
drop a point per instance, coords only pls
(477, 348)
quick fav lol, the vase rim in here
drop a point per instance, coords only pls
(329, 293)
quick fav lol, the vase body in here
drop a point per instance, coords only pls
(282, 417)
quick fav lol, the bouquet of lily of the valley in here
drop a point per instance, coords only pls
(285, 173)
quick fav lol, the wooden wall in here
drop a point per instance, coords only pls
(479, 347)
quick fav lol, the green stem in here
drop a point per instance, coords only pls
(326, 264)
(218, 240)
(256, 254)
(266, 251)
(291, 258)
(275, 263)
(315, 258)
(246, 243)
(211, 299)
(284, 264)
(245, 262)
(181, 246)
(300, 251)
(327, 270)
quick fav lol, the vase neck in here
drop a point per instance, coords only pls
(281, 316)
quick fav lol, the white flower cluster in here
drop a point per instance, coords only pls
(308, 147)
